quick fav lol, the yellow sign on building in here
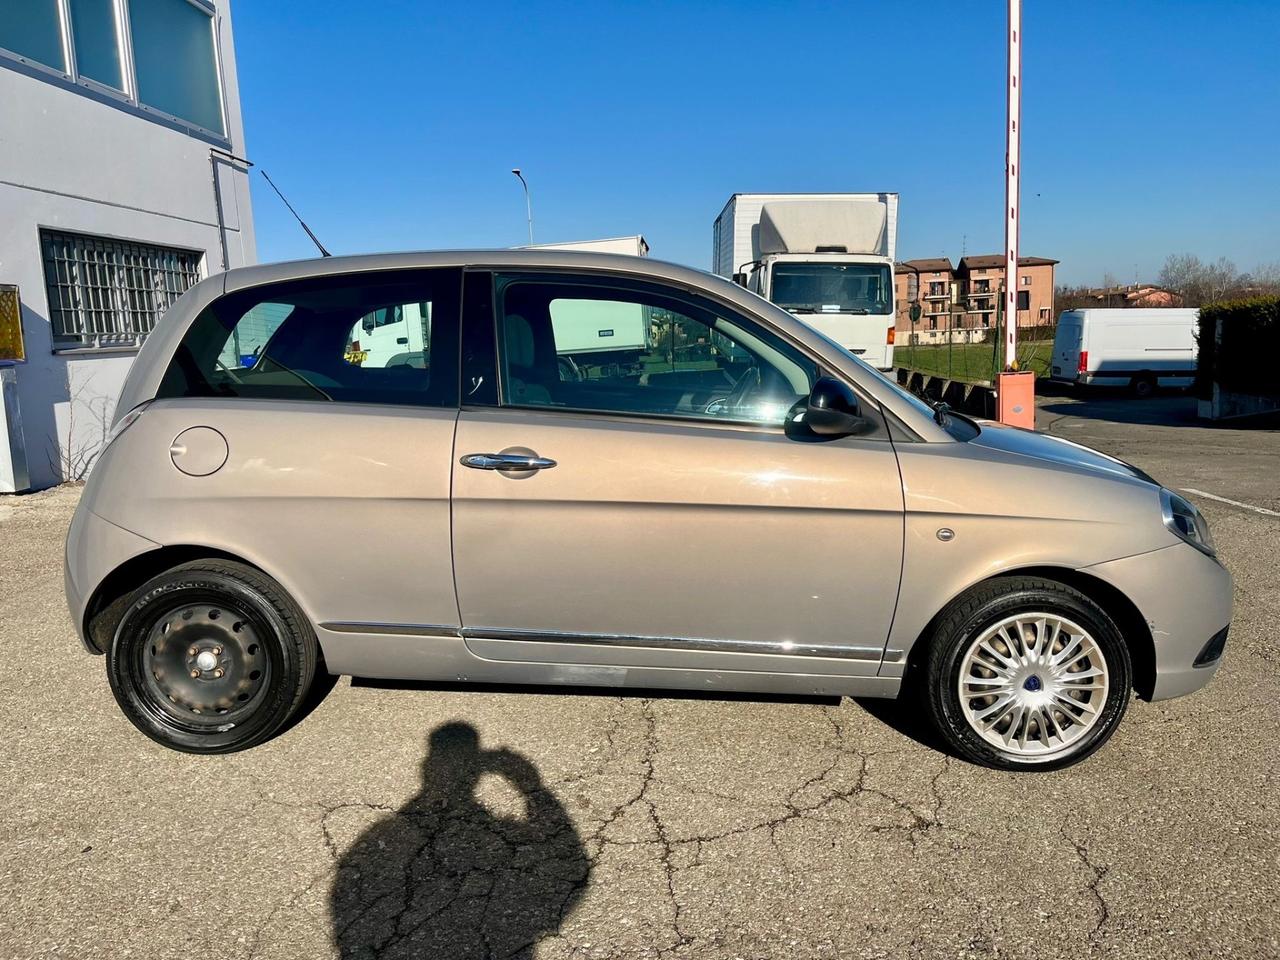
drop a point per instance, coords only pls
(11, 347)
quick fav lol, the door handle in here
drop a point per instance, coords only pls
(506, 461)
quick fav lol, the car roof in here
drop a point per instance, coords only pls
(240, 278)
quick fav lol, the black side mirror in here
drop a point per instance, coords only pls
(740, 279)
(832, 409)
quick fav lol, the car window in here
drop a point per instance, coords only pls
(584, 345)
(356, 339)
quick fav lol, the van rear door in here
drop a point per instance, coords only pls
(1067, 343)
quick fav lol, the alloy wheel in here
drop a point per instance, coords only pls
(1033, 685)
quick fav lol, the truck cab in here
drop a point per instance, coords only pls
(849, 299)
(826, 258)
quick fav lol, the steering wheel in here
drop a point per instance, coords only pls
(742, 388)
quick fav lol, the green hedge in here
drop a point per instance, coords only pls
(1245, 358)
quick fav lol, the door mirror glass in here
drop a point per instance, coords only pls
(833, 410)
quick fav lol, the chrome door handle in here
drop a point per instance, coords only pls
(505, 461)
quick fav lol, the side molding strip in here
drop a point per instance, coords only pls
(785, 648)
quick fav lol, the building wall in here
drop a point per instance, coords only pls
(937, 291)
(87, 163)
(977, 288)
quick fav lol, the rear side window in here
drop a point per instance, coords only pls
(364, 338)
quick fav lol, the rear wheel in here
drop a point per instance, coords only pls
(211, 657)
(1027, 674)
(1143, 386)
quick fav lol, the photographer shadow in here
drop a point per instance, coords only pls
(446, 878)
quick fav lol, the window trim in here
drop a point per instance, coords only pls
(419, 276)
(494, 365)
(126, 99)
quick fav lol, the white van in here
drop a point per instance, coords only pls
(1137, 348)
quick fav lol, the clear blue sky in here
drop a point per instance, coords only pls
(1149, 127)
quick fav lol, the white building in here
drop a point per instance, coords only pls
(121, 185)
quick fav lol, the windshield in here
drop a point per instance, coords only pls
(832, 287)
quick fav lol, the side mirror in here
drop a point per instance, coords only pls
(740, 279)
(832, 409)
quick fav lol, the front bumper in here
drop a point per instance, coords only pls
(1185, 598)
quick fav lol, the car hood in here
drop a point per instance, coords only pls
(1042, 446)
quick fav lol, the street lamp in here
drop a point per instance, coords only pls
(528, 207)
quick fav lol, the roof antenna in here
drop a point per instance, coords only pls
(303, 223)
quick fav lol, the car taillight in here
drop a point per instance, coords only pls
(888, 337)
(1084, 362)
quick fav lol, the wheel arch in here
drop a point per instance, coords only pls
(106, 604)
(1133, 626)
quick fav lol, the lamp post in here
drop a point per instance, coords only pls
(528, 207)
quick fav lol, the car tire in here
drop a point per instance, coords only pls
(211, 656)
(1143, 386)
(1026, 674)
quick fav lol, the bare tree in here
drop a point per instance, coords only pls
(1183, 273)
(1221, 280)
(76, 457)
(1266, 278)
(1200, 283)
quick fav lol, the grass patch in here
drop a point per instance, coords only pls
(972, 361)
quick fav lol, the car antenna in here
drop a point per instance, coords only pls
(303, 223)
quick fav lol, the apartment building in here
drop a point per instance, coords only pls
(960, 302)
(121, 186)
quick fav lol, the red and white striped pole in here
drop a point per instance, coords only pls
(1015, 389)
(1011, 186)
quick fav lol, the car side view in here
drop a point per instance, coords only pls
(434, 467)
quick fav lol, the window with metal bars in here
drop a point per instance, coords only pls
(105, 292)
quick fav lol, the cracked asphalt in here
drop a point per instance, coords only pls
(450, 823)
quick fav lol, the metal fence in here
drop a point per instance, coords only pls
(104, 292)
(958, 346)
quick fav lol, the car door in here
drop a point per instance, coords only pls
(651, 506)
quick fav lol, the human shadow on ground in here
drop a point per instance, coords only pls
(445, 878)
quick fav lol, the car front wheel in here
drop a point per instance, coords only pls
(1027, 674)
(211, 657)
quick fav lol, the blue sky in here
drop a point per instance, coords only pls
(1149, 127)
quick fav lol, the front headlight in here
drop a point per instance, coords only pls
(1182, 517)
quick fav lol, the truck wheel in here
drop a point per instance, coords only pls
(211, 657)
(1143, 386)
(1027, 674)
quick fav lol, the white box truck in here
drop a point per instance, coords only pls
(1137, 348)
(595, 326)
(825, 257)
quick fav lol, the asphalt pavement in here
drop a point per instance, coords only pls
(451, 823)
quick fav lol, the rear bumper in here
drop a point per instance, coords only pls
(1185, 598)
(95, 548)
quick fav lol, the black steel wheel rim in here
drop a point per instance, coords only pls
(203, 663)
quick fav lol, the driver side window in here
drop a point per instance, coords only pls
(584, 345)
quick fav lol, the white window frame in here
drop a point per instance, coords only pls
(128, 73)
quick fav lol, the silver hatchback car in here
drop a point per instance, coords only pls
(568, 468)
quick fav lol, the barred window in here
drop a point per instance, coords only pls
(105, 292)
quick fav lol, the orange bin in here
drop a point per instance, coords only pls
(1016, 399)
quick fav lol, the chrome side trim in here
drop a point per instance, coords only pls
(393, 629)
(782, 648)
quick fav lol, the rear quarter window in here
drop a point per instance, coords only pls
(386, 338)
